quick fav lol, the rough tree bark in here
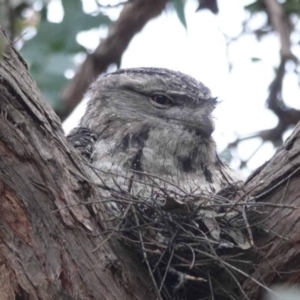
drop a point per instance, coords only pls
(47, 252)
(277, 183)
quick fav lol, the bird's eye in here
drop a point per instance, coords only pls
(161, 101)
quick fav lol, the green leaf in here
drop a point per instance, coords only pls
(255, 7)
(292, 7)
(51, 51)
(179, 7)
(48, 59)
(255, 59)
(76, 20)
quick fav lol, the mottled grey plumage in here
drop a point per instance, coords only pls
(83, 140)
(135, 136)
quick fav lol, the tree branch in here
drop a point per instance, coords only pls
(280, 23)
(133, 18)
(46, 252)
(277, 182)
(287, 117)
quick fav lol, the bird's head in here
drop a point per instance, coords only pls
(154, 96)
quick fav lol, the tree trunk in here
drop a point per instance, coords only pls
(278, 184)
(46, 251)
(50, 252)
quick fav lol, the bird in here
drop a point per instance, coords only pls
(146, 136)
(145, 129)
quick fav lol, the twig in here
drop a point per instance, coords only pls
(145, 255)
(210, 286)
(167, 270)
(117, 228)
(247, 226)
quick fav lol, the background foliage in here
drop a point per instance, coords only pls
(54, 54)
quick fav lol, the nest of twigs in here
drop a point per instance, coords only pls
(192, 244)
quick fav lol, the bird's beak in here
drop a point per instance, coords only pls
(207, 126)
